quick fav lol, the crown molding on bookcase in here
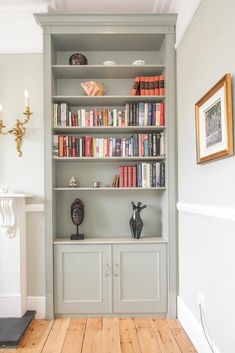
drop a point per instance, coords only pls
(186, 11)
(208, 211)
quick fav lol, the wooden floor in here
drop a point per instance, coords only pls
(105, 335)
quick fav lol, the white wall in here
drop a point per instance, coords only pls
(206, 234)
(25, 174)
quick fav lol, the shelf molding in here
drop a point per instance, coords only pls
(107, 159)
(105, 71)
(104, 129)
(109, 189)
(105, 100)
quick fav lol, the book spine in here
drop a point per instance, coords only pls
(73, 146)
(151, 85)
(161, 85)
(162, 174)
(139, 174)
(162, 144)
(142, 86)
(129, 173)
(125, 177)
(55, 111)
(156, 85)
(135, 88)
(158, 181)
(146, 79)
(121, 176)
(134, 176)
(158, 114)
(144, 175)
(158, 145)
(162, 114)
(55, 145)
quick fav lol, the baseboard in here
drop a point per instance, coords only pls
(193, 328)
(11, 306)
(38, 304)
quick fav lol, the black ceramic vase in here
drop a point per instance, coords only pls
(136, 223)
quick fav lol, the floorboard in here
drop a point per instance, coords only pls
(105, 335)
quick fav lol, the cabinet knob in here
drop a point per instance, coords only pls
(116, 270)
(107, 270)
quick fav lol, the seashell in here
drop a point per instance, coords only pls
(93, 88)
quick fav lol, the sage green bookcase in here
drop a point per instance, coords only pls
(108, 273)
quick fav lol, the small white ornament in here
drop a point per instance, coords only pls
(73, 182)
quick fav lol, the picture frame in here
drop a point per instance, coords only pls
(214, 122)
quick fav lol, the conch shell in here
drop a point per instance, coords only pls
(93, 88)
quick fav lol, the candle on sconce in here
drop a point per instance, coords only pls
(26, 98)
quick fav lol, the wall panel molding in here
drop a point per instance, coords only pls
(34, 207)
(207, 210)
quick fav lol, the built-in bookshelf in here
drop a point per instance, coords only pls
(124, 139)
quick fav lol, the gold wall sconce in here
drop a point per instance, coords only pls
(18, 131)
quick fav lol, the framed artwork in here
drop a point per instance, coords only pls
(214, 122)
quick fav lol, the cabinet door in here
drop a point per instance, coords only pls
(139, 278)
(82, 278)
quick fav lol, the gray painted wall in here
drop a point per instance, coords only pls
(26, 174)
(206, 245)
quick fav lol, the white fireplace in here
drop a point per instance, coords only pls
(13, 284)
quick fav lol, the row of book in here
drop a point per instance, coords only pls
(148, 86)
(138, 145)
(134, 114)
(142, 175)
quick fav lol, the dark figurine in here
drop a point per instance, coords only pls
(77, 215)
(136, 222)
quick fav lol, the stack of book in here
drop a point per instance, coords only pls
(136, 114)
(142, 175)
(148, 86)
(138, 145)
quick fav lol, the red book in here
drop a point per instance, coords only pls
(125, 177)
(121, 177)
(66, 146)
(146, 85)
(88, 146)
(129, 174)
(151, 85)
(142, 145)
(156, 85)
(136, 86)
(134, 176)
(73, 146)
(161, 85)
(162, 114)
(142, 86)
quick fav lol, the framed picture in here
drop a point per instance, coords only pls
(214, 122)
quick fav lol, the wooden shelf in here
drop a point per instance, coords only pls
(108, 159)
(105, 100)
(106, 129)
(107, 189)
(103, 71)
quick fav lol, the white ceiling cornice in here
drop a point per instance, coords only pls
(186, 12)
(19, 32)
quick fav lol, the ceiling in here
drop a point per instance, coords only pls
(92, 6)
